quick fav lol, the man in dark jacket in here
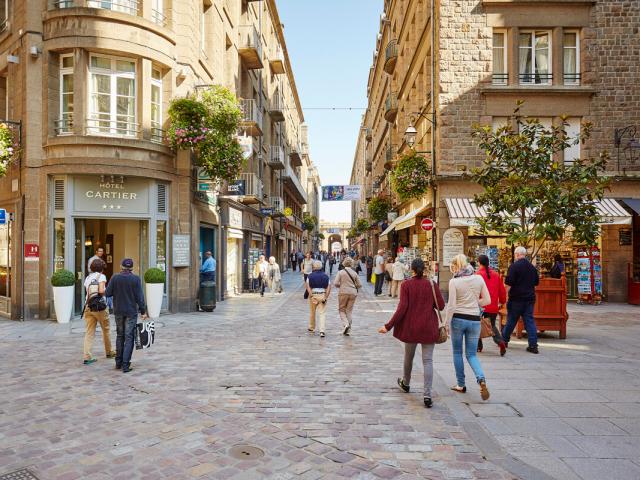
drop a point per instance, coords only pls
(128, 300)
(369, 267)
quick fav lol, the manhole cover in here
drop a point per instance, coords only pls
(23, 474)
(245, 452)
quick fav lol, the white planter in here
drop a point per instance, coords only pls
(155, 293)
(63, 303)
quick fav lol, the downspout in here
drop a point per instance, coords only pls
(434, 190)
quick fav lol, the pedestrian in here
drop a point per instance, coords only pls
(467, 293)
(414, 322)
(348, 285)
(498, 297)
(260, 273)
(318, 289)
(558, 267)
(522, 280)
(208, 269)
(379, 271)
(398, 273)
(341, 263)
(274, 277)
(300, 259)
(294, 261)
(99, 255)
(332, 262)
(388, 271)
(323, 258)
(369, 267)
(128, 301)
(306, 268)
(95, 311)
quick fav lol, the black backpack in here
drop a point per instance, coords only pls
(95, 301)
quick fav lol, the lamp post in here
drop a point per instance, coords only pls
(632, 147)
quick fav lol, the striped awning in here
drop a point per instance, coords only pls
(463, 212)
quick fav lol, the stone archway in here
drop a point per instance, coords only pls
(335, 242)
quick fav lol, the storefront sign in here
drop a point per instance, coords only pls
(209, 198)
(3, 216)
(111, 194)
(288, 212)
(452, 245)
(266, 211)
(205, 186)
(31, 252)
(235, 218)
(426, 224)
(181, 250)
(625, 237)
(237, 187)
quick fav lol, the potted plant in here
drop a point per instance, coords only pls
(154, 286)
(63, 283)
(378, 209)
(411, 177)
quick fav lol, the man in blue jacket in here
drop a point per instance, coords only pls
(128, 300)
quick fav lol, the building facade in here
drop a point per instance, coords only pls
(86, 86)
(335, 236)
(441, 67)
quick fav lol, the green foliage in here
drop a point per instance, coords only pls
(321, 236)
(362, 225)
(411, 177)
(353, 233)
(8, 148)
(378, 209)
(309, 222)
(154, 275)
(531, 197)
(63, 278)
(207, 123)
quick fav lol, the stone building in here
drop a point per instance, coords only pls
(86, 84)
(335, 235)
(442, 67)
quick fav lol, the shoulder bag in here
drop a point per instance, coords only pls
(442, 330)
(352, 280)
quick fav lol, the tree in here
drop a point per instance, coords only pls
(378, 208)
(529, 195)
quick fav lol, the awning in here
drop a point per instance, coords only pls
(463, 212)
(391, 227)
(409, 219)
(358, 242)
(633, 204)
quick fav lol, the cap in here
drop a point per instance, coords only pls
(127, 263)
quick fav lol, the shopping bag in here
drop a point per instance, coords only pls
(145, 334)
(373, 278)
(485, 328)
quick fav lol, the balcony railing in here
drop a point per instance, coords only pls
(291, 180)
(276, 61)
(572, 78)
(277, 108)
(500, 78)
(252, 188)
(158, 18)
(64, 125)
(130, 7)
(536, 78)
(157, 135)
(277, 204)
(391, 107)
(250, 47)
(251, 116)
(389, 156)
(121, 127)
(276, 157)
(391, 56)
(295, 154)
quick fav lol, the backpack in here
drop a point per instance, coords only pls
(95, 301)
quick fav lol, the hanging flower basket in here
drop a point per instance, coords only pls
(378, 209)
(8, 148)
(411, 177)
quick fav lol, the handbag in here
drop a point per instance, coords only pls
(145, 334)
(485, 327)
(442, 330)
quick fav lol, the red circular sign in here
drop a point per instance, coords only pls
(426, 224)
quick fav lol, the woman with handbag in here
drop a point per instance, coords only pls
(416, 321)
(95, 311)
(348, 284)
(467, 293)
(490, 314)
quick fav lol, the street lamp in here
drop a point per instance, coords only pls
(632, 146)
(410, 135)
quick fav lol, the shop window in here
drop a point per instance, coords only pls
(571, 53)
(500, 71)
(535, 58)
(572, 129)
(156, 106)
(112, 106)
(64, 124)
(58, 244)
(5, 260)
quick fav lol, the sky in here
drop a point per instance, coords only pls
(331, 44)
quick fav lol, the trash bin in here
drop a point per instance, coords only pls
(207, 295)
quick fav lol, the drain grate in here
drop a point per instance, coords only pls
(244, 452)
(23, 474)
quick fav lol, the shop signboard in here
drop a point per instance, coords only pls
(339, 193)
(114, 194)
(3, 216)
(452, 245)
(181, 250)
(625, 237)
(267, 211)
(237, 187)
(31, 252)
(235, 218)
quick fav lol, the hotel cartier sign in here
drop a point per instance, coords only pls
(111, 194)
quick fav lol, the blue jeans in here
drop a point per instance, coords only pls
(515, 310)
(125, 329)
(469, 330)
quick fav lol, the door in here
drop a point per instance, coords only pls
(80, 262)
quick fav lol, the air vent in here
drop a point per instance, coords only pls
(162, 198)
(58, 194)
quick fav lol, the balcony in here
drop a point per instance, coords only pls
(368, 134)
(103, 125)
(391, 107)
(276, 157)
(277, 108)
(157, 134)
(276, 61)
(64, 126)
(291, 181)
(391, 56)
(250, 47)
(390, 156)
(130, 7)
(159, 18)
(277, 204)
(251, 117)
(252, 189)
(368, 165)
(295, 154)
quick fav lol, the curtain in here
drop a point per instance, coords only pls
(525, 62)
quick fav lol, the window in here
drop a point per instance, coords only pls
(112, 90)
(157, 12)
(125, 6)
(500, 72)
(203, 28)
(571, 51)
(499, 122)
(64, 125)
(535, 57)
(4, 14)
(156, 106)
(572, 129)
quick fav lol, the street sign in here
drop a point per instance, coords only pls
(266, 211)
(205, 186)
(426, 224)
(3, 216)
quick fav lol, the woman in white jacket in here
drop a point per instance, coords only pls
(273, 276)
(467, 293)
(398, 273)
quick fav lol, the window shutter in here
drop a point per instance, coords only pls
(58, 194)
(162, 198)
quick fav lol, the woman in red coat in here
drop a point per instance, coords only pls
(415, 321)
(498, 297)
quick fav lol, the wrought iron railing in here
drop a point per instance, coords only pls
(251, 112)
(157, 135)
(572, 78)
(276, 157)
(64, 125)
(158, 18)
(500, 78)
(121, 127)
(249, 38)
(536, 78)
(391, 52)
(131, 7)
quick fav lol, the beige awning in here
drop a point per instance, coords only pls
(390, 228)
(409, 219)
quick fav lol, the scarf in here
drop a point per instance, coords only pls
(465, 272)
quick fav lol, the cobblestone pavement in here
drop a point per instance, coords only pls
(250, 374)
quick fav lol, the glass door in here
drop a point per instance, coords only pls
(80, 261)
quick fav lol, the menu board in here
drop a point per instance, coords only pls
(181, 250)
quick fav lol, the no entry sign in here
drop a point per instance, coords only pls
(426, 224)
